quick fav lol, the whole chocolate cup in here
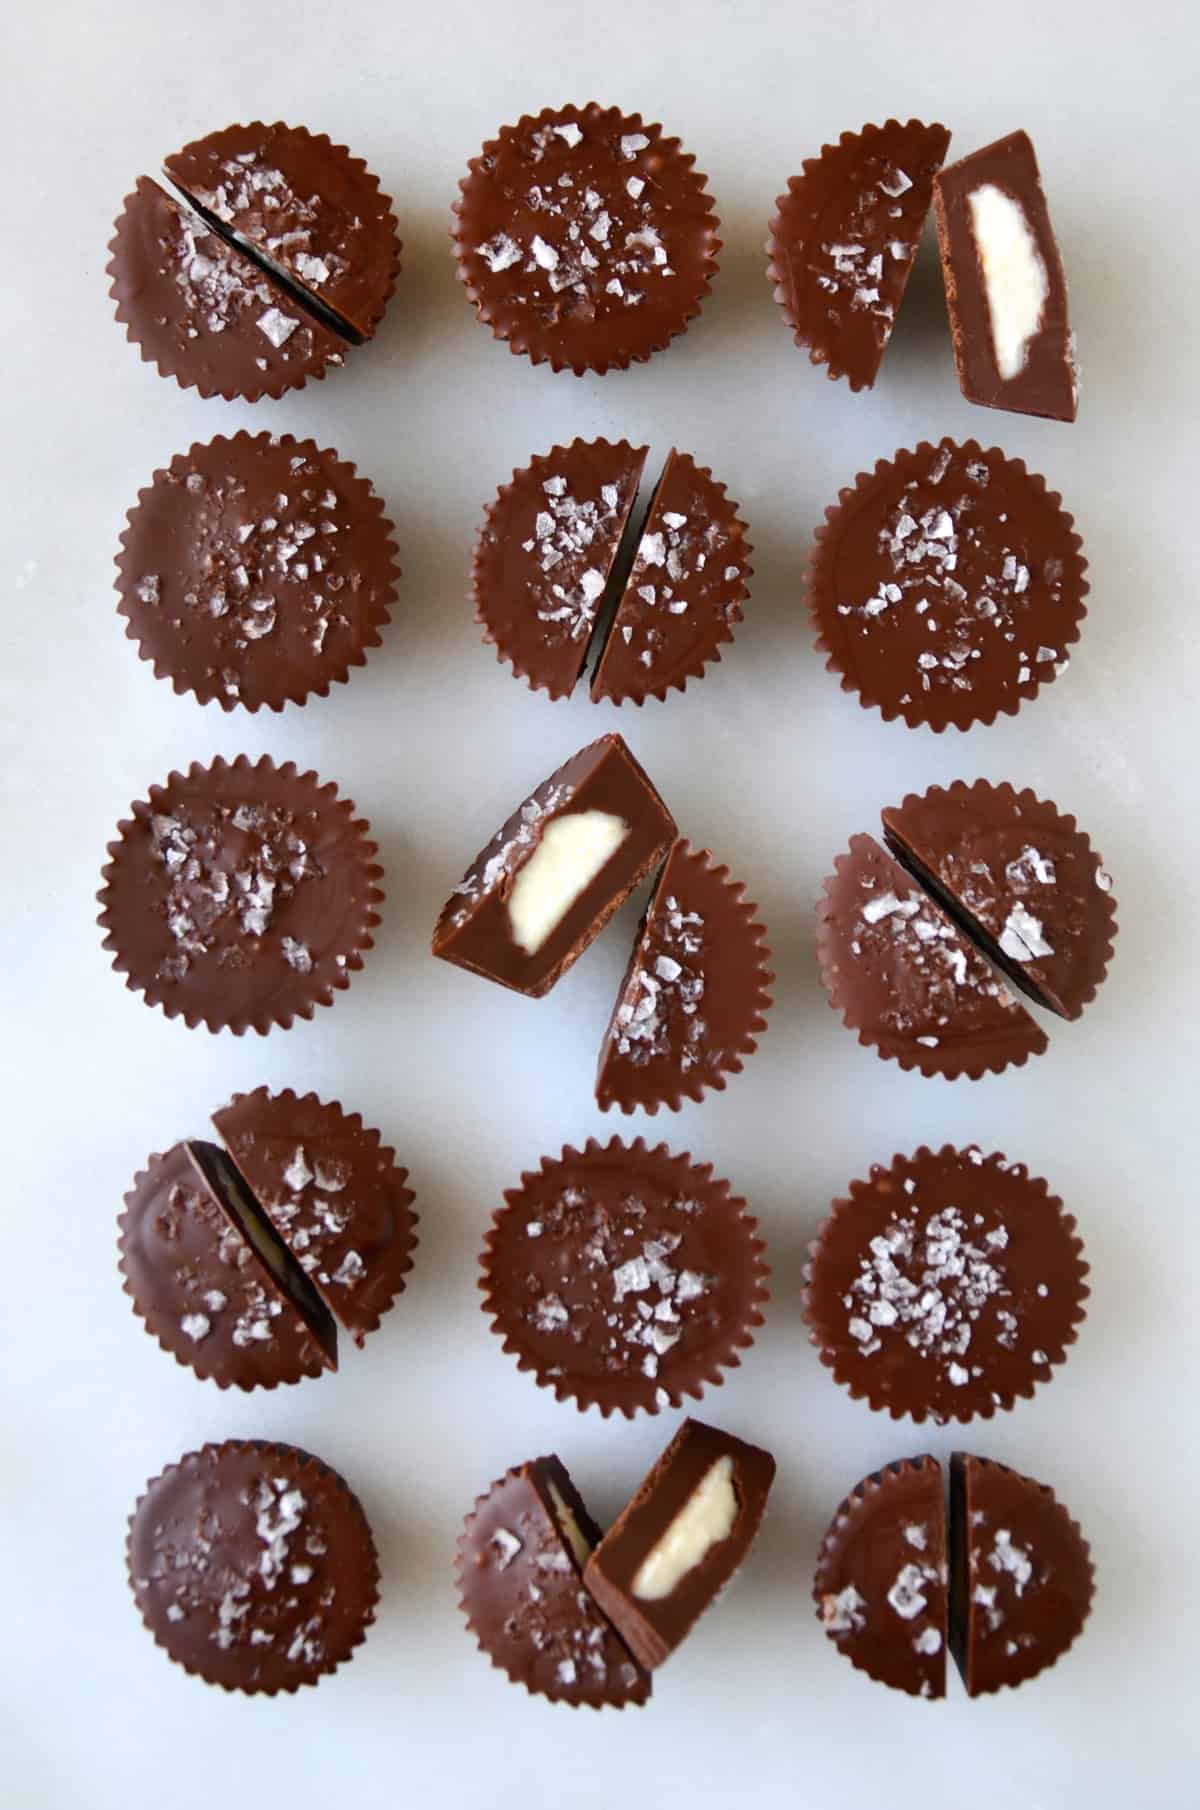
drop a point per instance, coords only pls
(1014, 1609)
(973, 1025)
(973, 848)
(315, 942)
(200, 618)
(596, 1237)
(1001, 1261)
(589, 332)
(1016, 557)
(328, 226)
(880, 1583)
(198, 1534)
(694, 998)
(192, 305)
(528, 1610)
(845, 239)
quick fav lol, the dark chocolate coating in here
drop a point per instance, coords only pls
(1021, 1575)
(545, 556)
(473, 928)
(521, 1590)
(240, 894)
(684, 595)
(694, 996)
(256, 570)
(305, 204)
(201, 1286)
(653, 1629)
(584, 237)
(253, 1566)
(332, 1193)
(1022, 879)
(908, 982)
(1048, 382)
(203, 312)
(947, 585)
(946, 1285)
(880, 1584)
(845, 239)
(624, 1277)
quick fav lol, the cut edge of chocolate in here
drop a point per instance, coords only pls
(620, 568)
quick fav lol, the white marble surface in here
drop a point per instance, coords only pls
(766, 761)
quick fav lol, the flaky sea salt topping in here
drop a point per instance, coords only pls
(241, 1309)
(573, 543)
(852, 268)
(308, 1206)
(671, 561)
(942, 973)
(250, 184)
(505, 853)
(660, 1012)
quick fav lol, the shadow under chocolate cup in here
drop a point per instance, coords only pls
(240, 895)
(585, 237)
(624, 1277)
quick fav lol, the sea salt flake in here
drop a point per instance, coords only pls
(277, 326)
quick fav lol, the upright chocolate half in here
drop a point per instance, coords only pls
(845, 238)
(680, 1540)
(544, 887)
(684, 594)
(881, 1579)
(694, 998)
(305, 206)
(253, 1566)
(546, 554)
(203, 312)
(1021, 1575)
(585, 237)
(624, 1277)
(947, 585)
(240, 895)
(1005, 286)
(255, 570)
(945, 1285)
(519, 1569)
(907, 981)
(1021, 877)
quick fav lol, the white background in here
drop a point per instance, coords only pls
(767, 761)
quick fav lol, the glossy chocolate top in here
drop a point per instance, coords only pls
(519, 1568)
(203, 312)
(545, 555)
(585, 237)
(881, 1578)
(685, 591)
(304, 203)
(907, 980)
(624, 1277)
(946, 1285)
(947, 585)
(694, 997)
(256, 570)
(1021, 876)
(240, 894)
(845, 239)
(253, 1566)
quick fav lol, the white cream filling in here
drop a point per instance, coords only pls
(706, 1518)
(572, 850)
(1014, 275)
(575, 1537)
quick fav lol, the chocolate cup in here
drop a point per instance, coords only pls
(186, 539)
(533, 323)
(1012, 1274)
(880, 1586)
(963, 842)
(713, 1281)
(330, 925)
(211, 1483)
(172, 332)
(548, 1641)
(722, 986)
(850, 196)
(333, 207)
(983, 1032)
(876, 651)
